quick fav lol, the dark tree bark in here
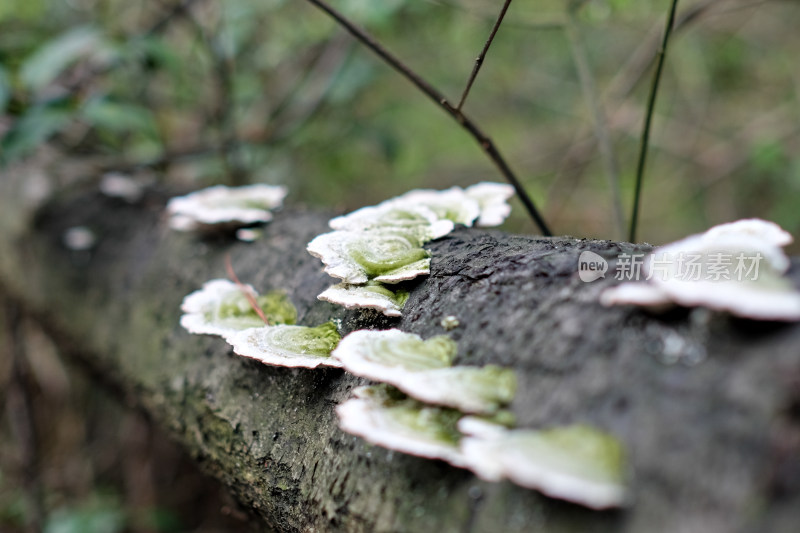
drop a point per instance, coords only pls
(712, 446)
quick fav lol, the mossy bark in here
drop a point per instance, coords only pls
(712, 447)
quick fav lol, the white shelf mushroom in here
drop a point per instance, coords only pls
(221, 308)
(221, 207)
(736, 267)
(383, 243)
(575, 463)
(290, 346)
(452, 204)
(370, 296)
(422, 369)
(417, 220)
(383, 416)
(357, 257)
(493, 201)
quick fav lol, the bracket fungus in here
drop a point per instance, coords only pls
(373, 295)
(422, 369)
(417, 220)
(384, 416)
(493, 201)
(290, 346)
(382, 244)
(387, 255)
(576, 463)
(224, 208)
(221, 308)
(452, 204)
(736, 267)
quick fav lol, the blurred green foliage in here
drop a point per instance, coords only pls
(241, 91)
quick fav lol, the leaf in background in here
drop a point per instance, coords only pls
(28, 10)
(53, 57)
(34, 127)
(155, 52)
(119, 117)
(5, 89)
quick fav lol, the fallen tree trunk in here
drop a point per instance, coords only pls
(712, 439)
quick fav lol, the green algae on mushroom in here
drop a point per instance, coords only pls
(384, 416)
(386, 351)
(422, 369)
(290, 346)
(373, 295)
(221, 308)
(221, 207)
(356, 257)
(576, 463)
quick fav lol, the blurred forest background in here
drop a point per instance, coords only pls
(190, 93)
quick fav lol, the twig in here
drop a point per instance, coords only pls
(482, 139)
(247, 294)
(482, 56)
(651, 103)
(619, 89)
(599, 122)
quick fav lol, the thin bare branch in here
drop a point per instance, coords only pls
(482, 56)
(651, 104)
(434, 94)
(243, 289)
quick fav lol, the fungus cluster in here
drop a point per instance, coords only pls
(576, 463)
(736, 267)
(424, 405)
(427, 407)
(268, 335)
(221, 208)
(374, 248)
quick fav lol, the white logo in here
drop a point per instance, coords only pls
(591, 266)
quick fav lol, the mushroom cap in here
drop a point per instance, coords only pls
(418, 220)
(422, 370)
(765, 296)
(290, 346)
(735, 267)
(755, 227)
(452, 204)
(226, 206)
(384, 417)
(369, 296)
(378, 353)
(575, 463)
(493, 201)
(355, 257)
(221, 308)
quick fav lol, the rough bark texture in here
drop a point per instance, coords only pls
(712, 447)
